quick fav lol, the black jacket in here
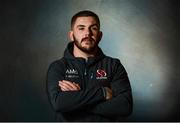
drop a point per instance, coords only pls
(89, 103)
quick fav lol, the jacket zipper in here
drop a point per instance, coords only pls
(85, 72)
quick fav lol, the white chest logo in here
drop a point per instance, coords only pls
(71, 71)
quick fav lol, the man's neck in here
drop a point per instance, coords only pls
(79, 53)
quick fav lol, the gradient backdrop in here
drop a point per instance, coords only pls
(143, 34)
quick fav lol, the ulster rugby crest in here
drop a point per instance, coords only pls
(101, 74)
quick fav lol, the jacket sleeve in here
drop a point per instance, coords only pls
(65, 101)
(121, 103)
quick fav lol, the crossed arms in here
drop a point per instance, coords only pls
(66, 96)
(72, 86)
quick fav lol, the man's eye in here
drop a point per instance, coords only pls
(81, 28)
(94, 28)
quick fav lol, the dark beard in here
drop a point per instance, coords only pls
(90, 50)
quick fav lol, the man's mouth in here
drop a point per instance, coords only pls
(87, 39)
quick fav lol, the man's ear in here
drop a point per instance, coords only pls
(70, 35)
(100, 35)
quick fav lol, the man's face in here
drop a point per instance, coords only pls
(86, 34)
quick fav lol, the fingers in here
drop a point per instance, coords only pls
(77, 85)
(72, 84)
(68, 86)
(63, 87)
(108, 93)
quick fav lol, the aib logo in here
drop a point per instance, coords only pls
(101, 74)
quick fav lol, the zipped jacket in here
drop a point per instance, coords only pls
(89, 103)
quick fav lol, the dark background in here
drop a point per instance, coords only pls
(144, 34)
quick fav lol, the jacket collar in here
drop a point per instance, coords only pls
(68, 53)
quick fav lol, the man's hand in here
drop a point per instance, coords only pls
(108, 93)
(68, 86)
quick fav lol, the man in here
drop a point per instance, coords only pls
(86, 85)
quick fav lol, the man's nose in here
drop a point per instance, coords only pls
(88, 33)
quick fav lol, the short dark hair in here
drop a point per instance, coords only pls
(84, 13)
